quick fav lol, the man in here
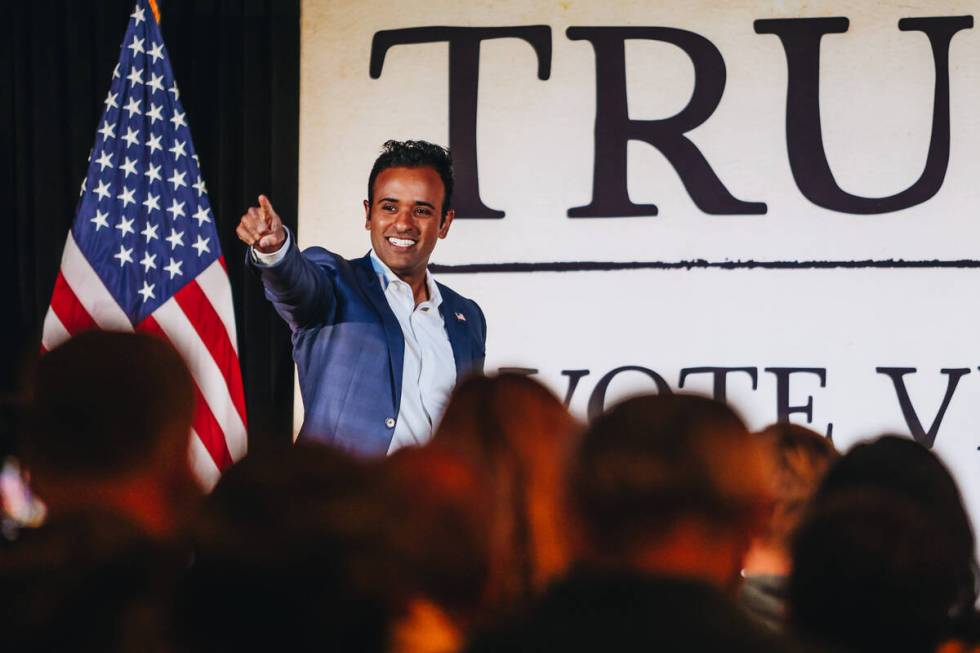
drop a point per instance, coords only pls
(377, 342)
(667, 491)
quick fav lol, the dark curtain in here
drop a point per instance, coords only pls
(237, 66)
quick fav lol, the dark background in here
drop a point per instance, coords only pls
(237, 66)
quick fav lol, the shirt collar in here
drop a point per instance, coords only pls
(386, 276)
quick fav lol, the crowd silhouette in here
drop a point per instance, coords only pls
(664, 525)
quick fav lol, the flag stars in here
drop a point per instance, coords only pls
(150, 232)
(174, 268)
(102, 190)
(154, 143)
(154, 113)
(125, 255)
(135, 76)
(176, 239)
(152, 203)
(178, 119)
(149, 262)
(104, 161)
(136, 46)
(201, 245)
(100, 220)
(147, 291)
(125, 226)
(178, 180)
(156, 52)
(108, 131)
(177, 209)
(155, 82)
(153, 172)
(178, 149)
(132, 107)
(131, 137)
(201, 216)
(127, 197)
(129, 167)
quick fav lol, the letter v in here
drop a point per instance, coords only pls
(897, 374)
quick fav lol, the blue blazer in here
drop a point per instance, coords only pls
(349, 348)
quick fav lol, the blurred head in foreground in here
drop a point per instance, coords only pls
(334, 552)
(437, 541)
(884, 558)
(672, 485)
(108, 428)
(667, 491)
(106, 436)
(517, 436)
(799, 458)
(289, 548)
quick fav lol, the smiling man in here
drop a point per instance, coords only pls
(378, 343)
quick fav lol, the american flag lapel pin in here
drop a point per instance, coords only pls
(460, 317)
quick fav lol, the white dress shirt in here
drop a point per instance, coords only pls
(429, 367)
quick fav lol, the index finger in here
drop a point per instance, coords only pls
(267, 208)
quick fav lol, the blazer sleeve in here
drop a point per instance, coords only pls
(300, 286)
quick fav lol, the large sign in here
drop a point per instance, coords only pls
(772, 202)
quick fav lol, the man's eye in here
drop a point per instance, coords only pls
(422, 211)
(387, 207)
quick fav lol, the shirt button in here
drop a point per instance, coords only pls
(390, 422)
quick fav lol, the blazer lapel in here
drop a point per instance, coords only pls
(368, 280)
(456, 330)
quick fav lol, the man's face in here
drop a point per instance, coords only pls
(405, 219)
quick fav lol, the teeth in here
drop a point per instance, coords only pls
(401, 242)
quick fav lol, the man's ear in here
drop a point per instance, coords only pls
(367, 215)
(447, 220)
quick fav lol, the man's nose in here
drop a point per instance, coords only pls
(405, 220)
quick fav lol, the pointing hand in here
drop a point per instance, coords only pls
(261, 227)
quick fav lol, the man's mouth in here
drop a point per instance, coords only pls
(401, 243)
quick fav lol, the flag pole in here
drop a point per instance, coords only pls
(156, 10)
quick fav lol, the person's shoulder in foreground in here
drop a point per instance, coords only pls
(602, 610)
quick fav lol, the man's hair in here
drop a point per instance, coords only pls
(800, 457)
(101, 403)
(654, 459)
(415, 154)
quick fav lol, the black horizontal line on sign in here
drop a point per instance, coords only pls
(700, 264)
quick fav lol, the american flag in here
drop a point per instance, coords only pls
(143, 251)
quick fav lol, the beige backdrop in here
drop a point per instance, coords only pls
(535, 155)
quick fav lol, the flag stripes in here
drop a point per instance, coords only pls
(206, 322)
